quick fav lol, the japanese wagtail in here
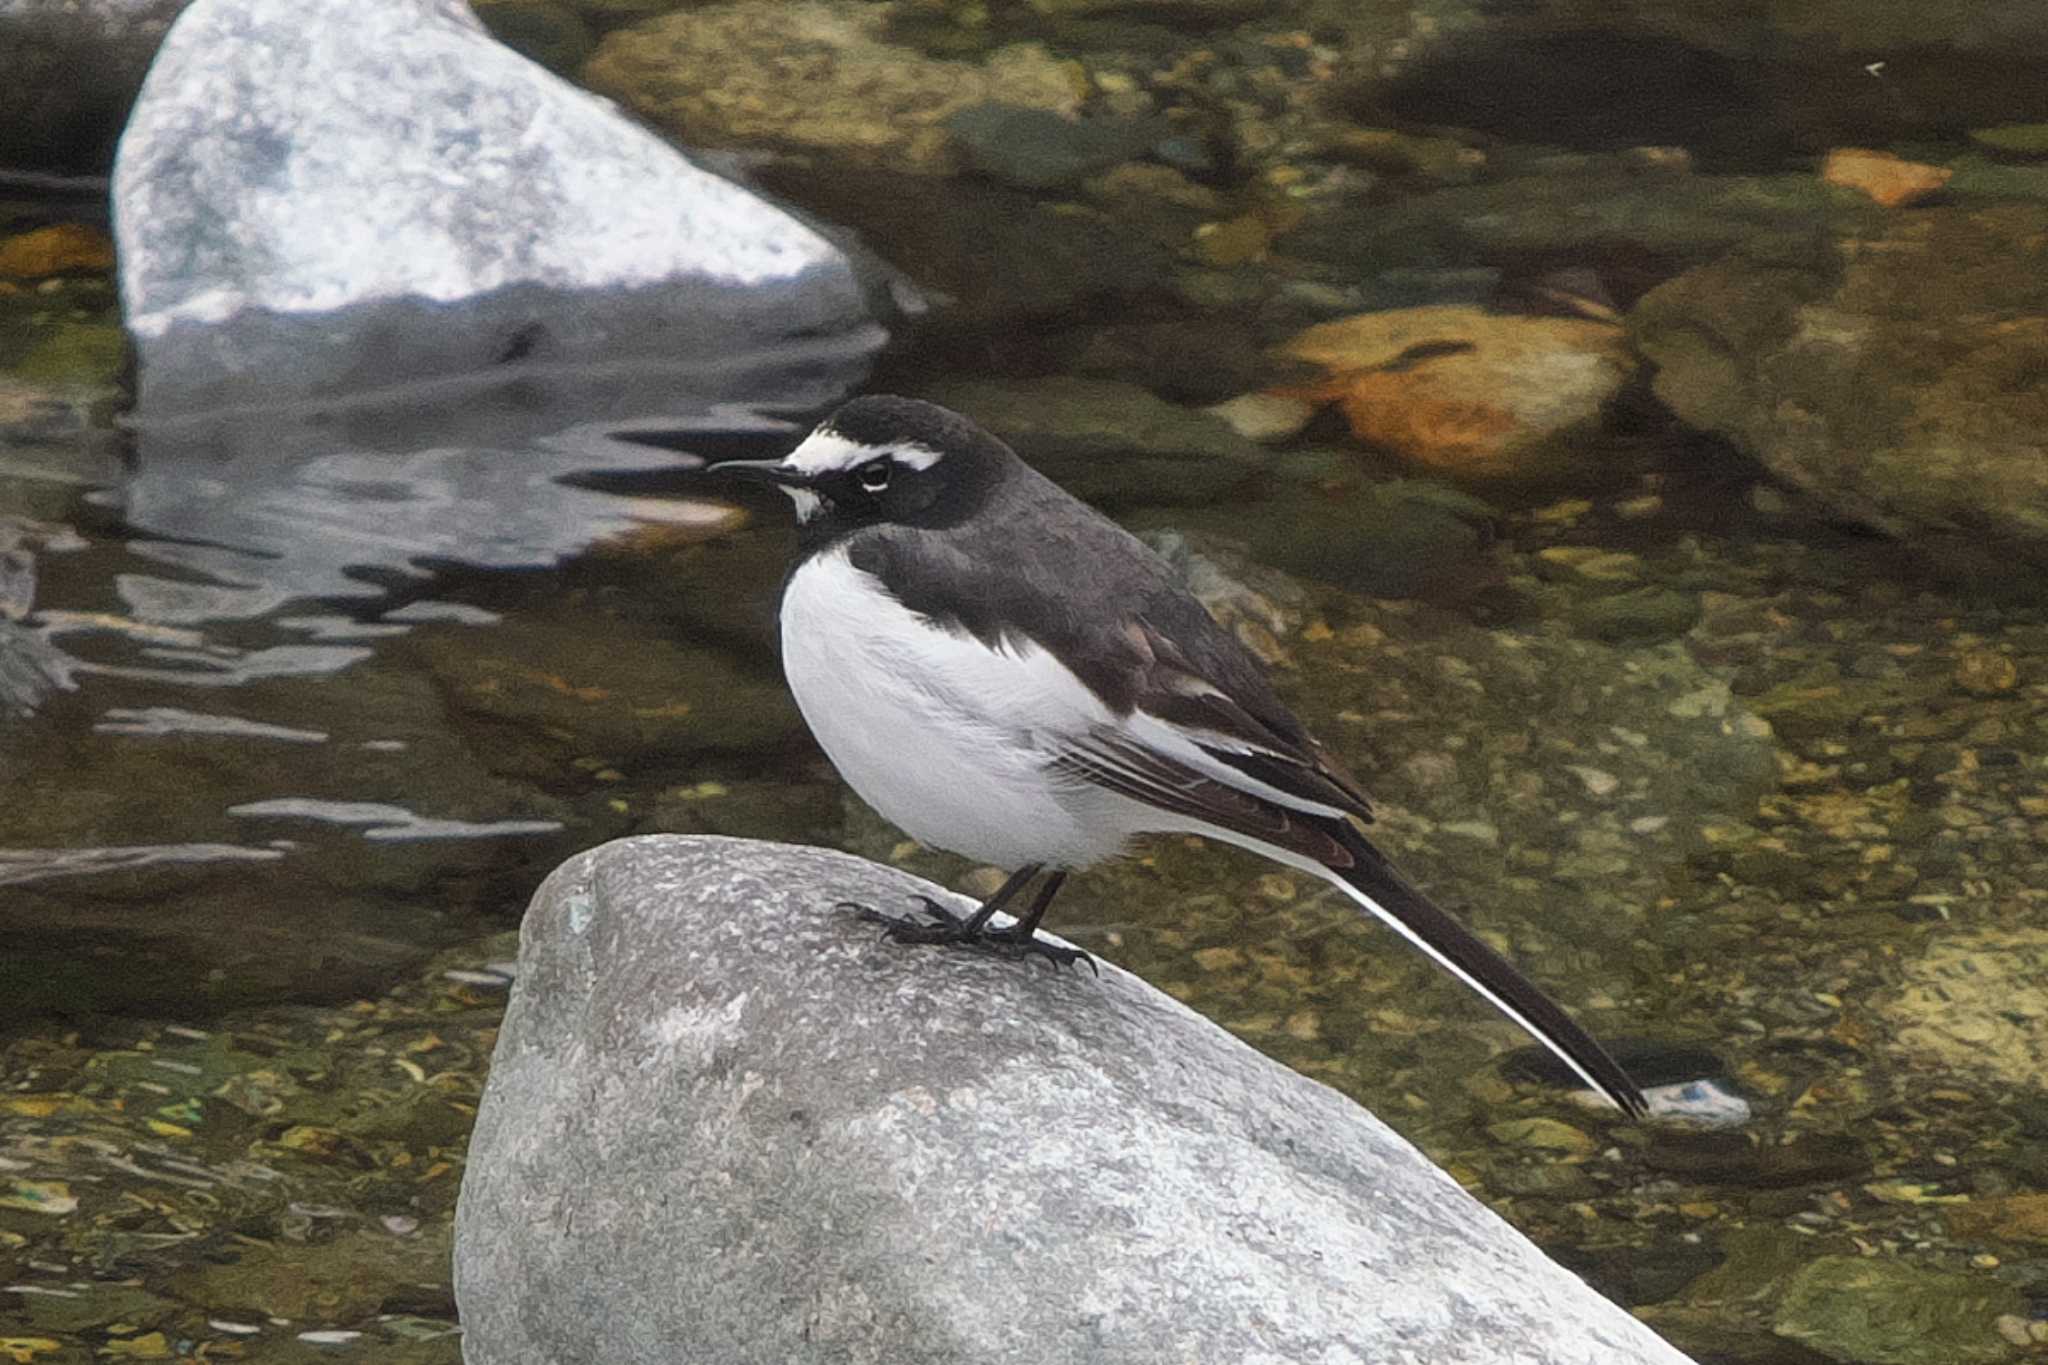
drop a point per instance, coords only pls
(1006, 674)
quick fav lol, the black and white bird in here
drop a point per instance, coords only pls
(1006, 674)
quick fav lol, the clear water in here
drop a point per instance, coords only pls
(322, 703)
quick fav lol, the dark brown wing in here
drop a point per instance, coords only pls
(1292, 762)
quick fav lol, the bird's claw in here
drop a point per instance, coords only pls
(949, 926)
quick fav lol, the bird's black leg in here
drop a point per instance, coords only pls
(1023, 935)
(948, 926)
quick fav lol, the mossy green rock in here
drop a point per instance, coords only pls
(1571, 206)
(2013, 139)
(1867, 1309)
(1037, 149)
(1112, 444)
(1645, 614)
(84, 353)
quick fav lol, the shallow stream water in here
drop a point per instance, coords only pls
(1759, 792)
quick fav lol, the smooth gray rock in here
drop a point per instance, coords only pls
(727, 1124)
(313, 201)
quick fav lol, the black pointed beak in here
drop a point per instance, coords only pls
(759, 471)
(692, 442)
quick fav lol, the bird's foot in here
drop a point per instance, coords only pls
(942, 925)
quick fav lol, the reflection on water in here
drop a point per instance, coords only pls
(290, 568)
(388, 822)
(36, 864)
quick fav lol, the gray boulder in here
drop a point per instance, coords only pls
(726, 1124)
(312, 202)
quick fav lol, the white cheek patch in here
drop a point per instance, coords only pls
(827, 452)
(808, 504)
(911, 455)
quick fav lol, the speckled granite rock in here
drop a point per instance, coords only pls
(313, 202)
(726, 1124)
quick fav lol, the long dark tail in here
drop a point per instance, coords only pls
(1377, 885)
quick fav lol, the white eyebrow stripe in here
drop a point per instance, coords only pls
(825, 452)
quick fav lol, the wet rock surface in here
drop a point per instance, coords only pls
(818, 76)
(738, 1037)
(1880, 371)
(1111, 442)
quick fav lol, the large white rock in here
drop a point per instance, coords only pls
(321, 199)
(727, 1124)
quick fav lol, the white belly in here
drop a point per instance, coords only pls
(945, 737)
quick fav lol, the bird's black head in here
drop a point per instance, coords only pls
(883, 460)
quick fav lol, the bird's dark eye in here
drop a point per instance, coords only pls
(873, 476)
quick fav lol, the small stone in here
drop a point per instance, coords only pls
(60, 249)
(1276, 886)
(1439, 160)
(1561, 513)
(1233, 241)
(1768, 501)
(1598, 566)
(1672, 160)
(1598, 781)
(1986, 673)
(51, 1197)
(1889, 180)
(1466, 393)
(1264, 417)
(1139, 180)
(1545, 1135)
(982, 882)
(1221, 959)
(2014, 1329)
(1645, 614)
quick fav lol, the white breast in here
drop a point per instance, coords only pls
(944, 736)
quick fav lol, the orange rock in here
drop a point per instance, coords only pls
(2012, 1218)
(1891, 180)
(56, 250)
(1466, 393)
